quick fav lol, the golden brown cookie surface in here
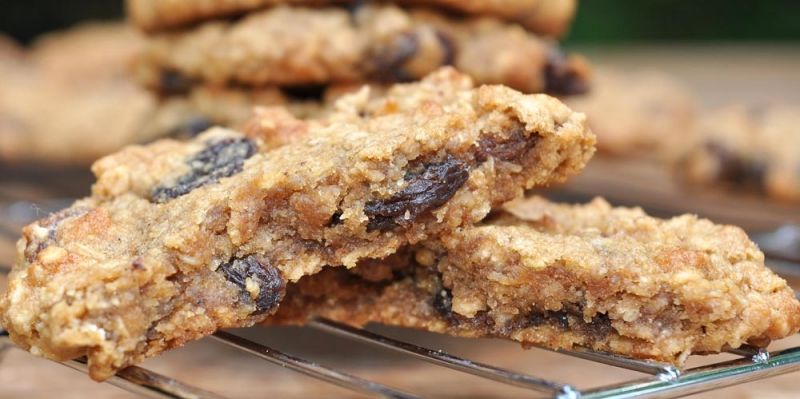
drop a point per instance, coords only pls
(182, 238)
(611, 279)
(309, 46)
(547, 17)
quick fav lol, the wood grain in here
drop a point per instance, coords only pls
(718, 73)
(211, 366)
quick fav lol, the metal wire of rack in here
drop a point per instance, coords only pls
(658, 380)
(662, 380)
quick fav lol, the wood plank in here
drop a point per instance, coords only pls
(720, 74)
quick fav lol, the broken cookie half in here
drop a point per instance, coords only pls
(179, 239)
(559, 276)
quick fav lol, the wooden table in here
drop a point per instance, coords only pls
(212, 366)
(748, 74)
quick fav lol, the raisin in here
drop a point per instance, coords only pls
(51, 224)
(220, 159)
(443, 304)
(537, 318)
(336, 219)
(272, 286)
(55, 219)
(174, 82)
(512, 148)
(425, 191)
(483, 321)
(735, 169)
(448, 47)
(305, 92)
(600, 326)
(533, 319)
(389, 59)
(560, 318)
(560, 78)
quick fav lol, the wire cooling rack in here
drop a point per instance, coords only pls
(659, 380)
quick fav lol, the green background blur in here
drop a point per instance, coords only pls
(598, 21)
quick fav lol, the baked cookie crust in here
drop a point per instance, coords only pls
(554, 275)
(180, 239)
(70, 99)
(546, 17)
(289, 46)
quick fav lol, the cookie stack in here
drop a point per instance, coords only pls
(380, 212)
(228, 56)
(199, 64)
(69, 98)
(392, 206)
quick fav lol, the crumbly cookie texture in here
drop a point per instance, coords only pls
(611, 279)
(546, 17)
(654, 117)
(750, 148)
(373, 42)
(181, 238)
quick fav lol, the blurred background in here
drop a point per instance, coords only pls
(610, 21)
